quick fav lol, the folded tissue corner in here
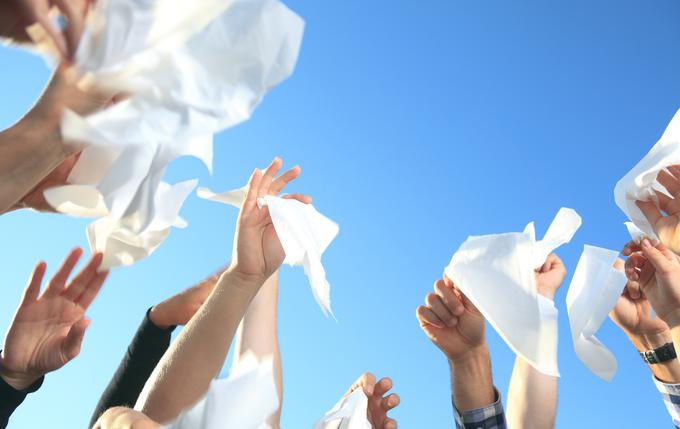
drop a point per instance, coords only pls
(244, 400)
(349, 413)
(304, 234)
(593, 292)
(640, 183)
(496, 272)
(189, 70)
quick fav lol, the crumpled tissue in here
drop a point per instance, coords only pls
(189, 69)
(496, 272)
(244, 400)
(349, 413)
(304, 234)
(640, 182)
(593, 292)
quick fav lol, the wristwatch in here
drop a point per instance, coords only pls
(659, 354)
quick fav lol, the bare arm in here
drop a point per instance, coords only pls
(258, 335)
(532, 397)
(187, 368)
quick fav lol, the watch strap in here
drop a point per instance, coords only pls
(659, 354)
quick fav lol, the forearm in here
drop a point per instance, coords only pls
(472, 380)
(184, 373)
(142, 356)
(29, 151)
(257, 334)
(532, 397)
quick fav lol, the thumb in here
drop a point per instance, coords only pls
(657, 256)
(74, 338)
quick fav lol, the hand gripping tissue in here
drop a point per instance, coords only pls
(496, 272)
(188, 70)
(303, 231)
(641, 184)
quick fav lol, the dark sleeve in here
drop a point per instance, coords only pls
(10, 398)
(142, 356)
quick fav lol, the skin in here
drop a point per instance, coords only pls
(632, 315)
(17, 15)
(33, 155)
(532, 395)
(665, 219)
(258, 335)
(456, 327)
(48, 329)
(124, 418)
(379, 402)
(187, 368)
(654, 272)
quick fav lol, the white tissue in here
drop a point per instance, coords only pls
(640, 182)
(244, 400)
(303, 231)
(496, 272)
(593, 292)
(190, 70)
(349, 413)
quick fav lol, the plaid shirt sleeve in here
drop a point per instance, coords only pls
(489, 417)
(671, 398)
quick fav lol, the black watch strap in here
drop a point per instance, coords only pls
(659, 354)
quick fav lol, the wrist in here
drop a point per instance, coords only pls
(157, 316)
(17, 379)
(547, 293)
(473, 357)
(650, 341)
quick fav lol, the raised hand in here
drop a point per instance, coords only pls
(451, 321)
(180, 308)
(550, 275)
(378, 403)
(632, 313)
(666, 227)
(655, 272)
(124, 418)
(17, 15)
(258, 252)
(47, 330)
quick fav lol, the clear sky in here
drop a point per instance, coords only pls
(416, 124)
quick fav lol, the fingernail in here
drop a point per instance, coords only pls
(646, 244)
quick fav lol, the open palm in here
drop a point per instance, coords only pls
(47, 330)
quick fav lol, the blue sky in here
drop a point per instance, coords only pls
(416, 124)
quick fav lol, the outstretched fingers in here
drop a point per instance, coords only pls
(284, 179)
(268, 177)
(32, 290)
(91, 290)
(58, 282)
(81, 281)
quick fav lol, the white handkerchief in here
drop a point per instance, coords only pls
(496, 272)
(593, 292)
(640, 182)
(349, 413)
(303, 231)
(190, 70)
(244, 400)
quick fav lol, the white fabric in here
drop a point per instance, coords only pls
(593, 292)
(496, 272)
(303, 231)
(244, 400)
(640, 182)
(349, 413)
(191, 69)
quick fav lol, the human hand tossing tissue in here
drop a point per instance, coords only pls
(550, 275)
(451, 321)
(656, 271)
(667, 227)
(18, 16)
(258, 251)
(379, 402)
